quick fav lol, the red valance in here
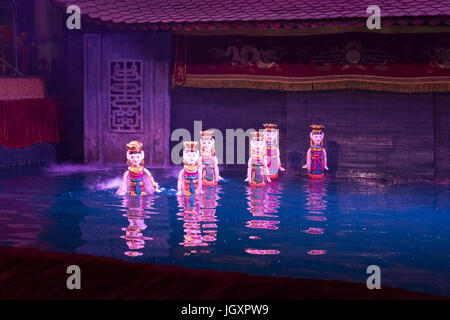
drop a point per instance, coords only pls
(27, 122)
(21, 88)
(381, 62)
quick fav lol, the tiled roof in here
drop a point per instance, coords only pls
(195, 14)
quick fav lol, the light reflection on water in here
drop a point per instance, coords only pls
(199, 217)
(316, 205)
(263, 204)
(137, 210)
(296, 227)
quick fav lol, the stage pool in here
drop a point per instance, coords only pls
(295, 227)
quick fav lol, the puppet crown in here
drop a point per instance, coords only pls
(317, 128)
(190, 146)
(270, 126)
(134, 146)
(207, 134)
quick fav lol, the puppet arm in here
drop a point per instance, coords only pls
(308, 160)
(123, 188)
(325, 159)
(200, 180)
(216, 169)
(279, 161)
(266, 171)
(249, 169)
(154, 183)
(180, 182)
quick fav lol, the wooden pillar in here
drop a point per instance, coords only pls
(160, 99)
(92, 95)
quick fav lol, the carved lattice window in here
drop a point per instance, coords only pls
(125, 96)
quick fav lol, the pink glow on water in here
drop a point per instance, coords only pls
(135, 236)
(313, 218)
(199, 219)
(313, 231)
(133, 253)
(262, 251)
(209, 238)
(267, 215)
(136, 216)
(317, 252)
(262, 224)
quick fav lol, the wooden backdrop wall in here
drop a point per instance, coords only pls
(368, 134)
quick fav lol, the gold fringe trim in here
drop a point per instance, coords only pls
(383, 84)
(21, 88)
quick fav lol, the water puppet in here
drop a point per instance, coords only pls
(208, 159)
(272, 150)
(257, 172)
(137, 181)
(190, 177)
(316, 157)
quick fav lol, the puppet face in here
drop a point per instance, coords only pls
(191, 157)
(258, 145)
(207, 144)
(135, 158)
(271, 136)
(317, 137)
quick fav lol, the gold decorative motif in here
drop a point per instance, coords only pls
(190, 146)
(135, 146)
(248, 56)
(137, 171)
(191, 168)
(270, 126)
(207, 134)
(317, 128)
(440, 58)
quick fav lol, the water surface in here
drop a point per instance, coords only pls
(330, 229)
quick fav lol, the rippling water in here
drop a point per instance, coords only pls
(331, 229)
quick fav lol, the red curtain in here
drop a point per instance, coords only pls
(379, 62)
(27, 122)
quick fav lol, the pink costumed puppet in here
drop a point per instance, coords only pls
(137, 181)
(316, 157)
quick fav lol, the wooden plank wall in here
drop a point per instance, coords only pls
(368, 134)
(229, 109)
(442, 131)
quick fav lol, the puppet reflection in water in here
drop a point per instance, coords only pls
(263, 203)
(199, 217)
(137, 211)
(316, 206)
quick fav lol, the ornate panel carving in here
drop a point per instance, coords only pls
(125, 101)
